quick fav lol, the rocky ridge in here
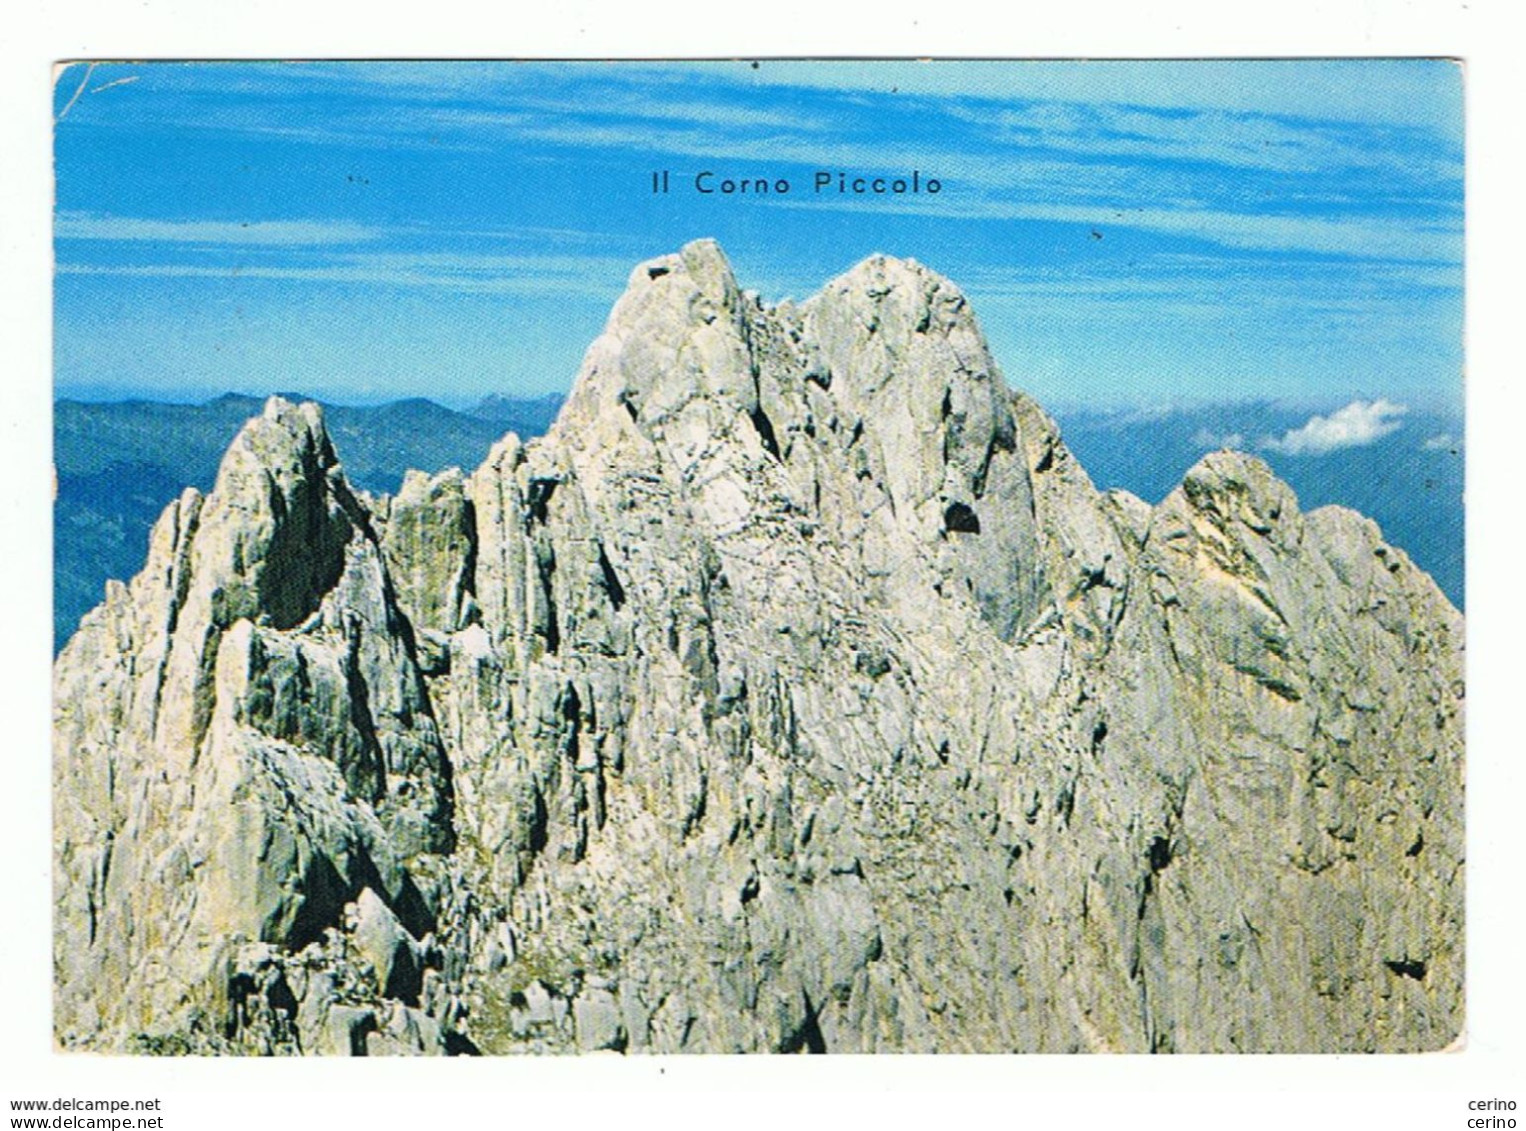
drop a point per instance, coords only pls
(795, 692)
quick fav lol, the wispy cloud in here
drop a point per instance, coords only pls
(1062, 160)
(1358, 424)
(1162, 138)
(1354, 237)
(977, 188)
(593, 277)
(1207, 438)
(1213, 137)
(275, 233)
(1393, 92)
(323, 251)
(697, 112)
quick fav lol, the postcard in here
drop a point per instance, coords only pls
(758, 556)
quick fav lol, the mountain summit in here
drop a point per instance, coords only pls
(795, 692)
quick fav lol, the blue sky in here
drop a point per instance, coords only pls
(1129, 233)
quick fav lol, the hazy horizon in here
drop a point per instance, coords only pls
(1313, 403)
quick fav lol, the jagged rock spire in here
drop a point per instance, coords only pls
(796, 691)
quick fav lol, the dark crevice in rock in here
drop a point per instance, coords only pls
(983, 472)
(408, 904)
(698, 806)
(469, 567)
(1093, 578)
(572, 715)
(1159, 854)
(324, 894)
(305, 556)
(1065, 803)
(204, 693)
(960, 518)
(807, 1036)
(1278, 687)
(538, 830)
(240, 987)
(181, 572)
(765, 429)
(358, 1033)
(612, 585)
(366, 773)
(106, 852)
(1407, 967)
(457, 1044)
(545, 564)
(538, 498)
(281, 999)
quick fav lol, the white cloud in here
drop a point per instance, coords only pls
(278, 233)
(1365, 91)
(1441, 442)
(1359, 423)
(1391, 93)
(1256, 141)
(594, 277)
(1207, 438)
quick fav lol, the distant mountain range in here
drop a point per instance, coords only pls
(120, 463)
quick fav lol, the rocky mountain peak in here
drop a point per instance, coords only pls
(799, 647)
(278, 519)
(898, 296)
(1234, 485)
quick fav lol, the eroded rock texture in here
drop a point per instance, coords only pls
(796, 692)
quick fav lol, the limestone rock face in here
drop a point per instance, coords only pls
(796, 692)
